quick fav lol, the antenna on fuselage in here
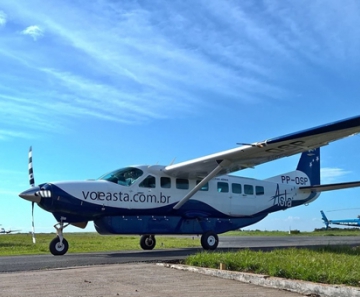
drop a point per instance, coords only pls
(172, 162)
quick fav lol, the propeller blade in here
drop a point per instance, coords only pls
(32, 184)
(31, 173)
(33, 225)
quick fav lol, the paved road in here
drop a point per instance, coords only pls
(40, 262)
(135, 279)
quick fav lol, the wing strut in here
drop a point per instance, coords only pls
(213, 173)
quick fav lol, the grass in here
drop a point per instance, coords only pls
(21, 244)
(330, 265)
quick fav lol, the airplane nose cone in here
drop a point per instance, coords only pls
(31, 195)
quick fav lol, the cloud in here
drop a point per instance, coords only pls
(31, 115)
(287, 219)
(80, 90)
(329, 175)
(2, 18)
(34, 31)
(292, 219)
(7, 134)
(142, 63)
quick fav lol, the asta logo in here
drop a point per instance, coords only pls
(282, 200)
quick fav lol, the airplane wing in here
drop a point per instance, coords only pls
(248, 156)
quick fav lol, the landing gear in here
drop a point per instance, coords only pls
(147, 242)
(59, 245)
(209, 240)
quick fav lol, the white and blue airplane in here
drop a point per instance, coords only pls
(341, 222)
(194, 197)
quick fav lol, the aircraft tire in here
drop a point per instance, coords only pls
(55, 247)
(209, 240)
(147, 242)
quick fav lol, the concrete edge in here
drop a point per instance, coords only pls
(301, 287)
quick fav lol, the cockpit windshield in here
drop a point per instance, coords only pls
(125, 176)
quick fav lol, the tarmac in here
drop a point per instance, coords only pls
(149, 279)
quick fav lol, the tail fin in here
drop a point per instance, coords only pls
(309, 163)
(324, 218)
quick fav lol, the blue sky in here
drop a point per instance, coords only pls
(104, 84)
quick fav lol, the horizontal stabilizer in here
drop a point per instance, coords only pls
(330, 187)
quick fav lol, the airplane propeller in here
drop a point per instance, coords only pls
(35, 194)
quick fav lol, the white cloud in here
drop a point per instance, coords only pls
(2, 18)
(34, 31)
(141, 63)
(82, 89)
(329, 175)
(33, 115)
(287, 219)
(292, 219)
(7, 134)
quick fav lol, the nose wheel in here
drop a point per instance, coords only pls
(59, 245)
(58, 248)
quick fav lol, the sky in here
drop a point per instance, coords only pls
(98, 85)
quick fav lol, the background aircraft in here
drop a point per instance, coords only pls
(4, 231)
(193, 197)
(343, 222)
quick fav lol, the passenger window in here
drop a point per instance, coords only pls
(236, 188)
(259, 190)
(182, 183)
(148, 182)
(222, 187)
(249, 189)
(204, 187)
(165, 182)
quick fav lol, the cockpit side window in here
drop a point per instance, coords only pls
(148, 182)
(165, 182)
(125, 176)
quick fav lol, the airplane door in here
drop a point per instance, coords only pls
(243, 199)
(223, 196)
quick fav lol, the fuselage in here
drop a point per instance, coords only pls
(346, 222)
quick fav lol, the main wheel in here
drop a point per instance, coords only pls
(58, 249)
(209, 240)
(147, 242)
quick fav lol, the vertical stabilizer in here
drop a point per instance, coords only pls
(324, 218)
(309, 163)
